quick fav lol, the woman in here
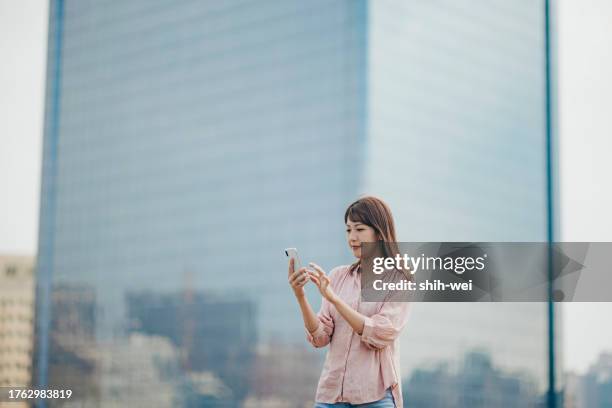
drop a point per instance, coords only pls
(362, 364)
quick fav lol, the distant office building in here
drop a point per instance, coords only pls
(138, 371)
(592, 389)
(572, 391)
(216, 335)
(476, 382)
(74, 314)
(209, 136)
(73, 350)
(16, 321)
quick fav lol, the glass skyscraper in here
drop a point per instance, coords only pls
(188, 143)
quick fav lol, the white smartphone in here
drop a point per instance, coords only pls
(293, 253)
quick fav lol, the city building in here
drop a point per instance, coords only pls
(137, 371)
(73, 357)
(209, 136)
(592, 389)
(572, 391)
(17, 296)
(475, 382)
(214, 335)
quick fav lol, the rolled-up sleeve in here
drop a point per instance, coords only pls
(322, 336)
(382, 328)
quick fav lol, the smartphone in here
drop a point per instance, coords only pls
(293, 253)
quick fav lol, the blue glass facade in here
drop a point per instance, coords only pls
(181, 144)
(187, 143)
(457, 146)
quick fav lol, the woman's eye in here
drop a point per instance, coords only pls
(360, 229)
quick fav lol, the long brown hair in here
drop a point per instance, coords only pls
(374, 212)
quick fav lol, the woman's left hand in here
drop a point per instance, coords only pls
(322, 281)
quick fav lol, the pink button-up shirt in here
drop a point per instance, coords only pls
(359, 369)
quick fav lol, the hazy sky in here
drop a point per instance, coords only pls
(584, 64)
(23, 43)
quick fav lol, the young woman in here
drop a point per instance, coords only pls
(362, 363)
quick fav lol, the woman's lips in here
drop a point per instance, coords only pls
(356, 246)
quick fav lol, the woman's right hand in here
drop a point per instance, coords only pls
(297, 279)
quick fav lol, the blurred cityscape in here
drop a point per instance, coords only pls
(189, 349)
(187, 143)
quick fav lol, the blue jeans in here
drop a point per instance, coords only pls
(386, 402)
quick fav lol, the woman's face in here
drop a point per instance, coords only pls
(356, 233)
